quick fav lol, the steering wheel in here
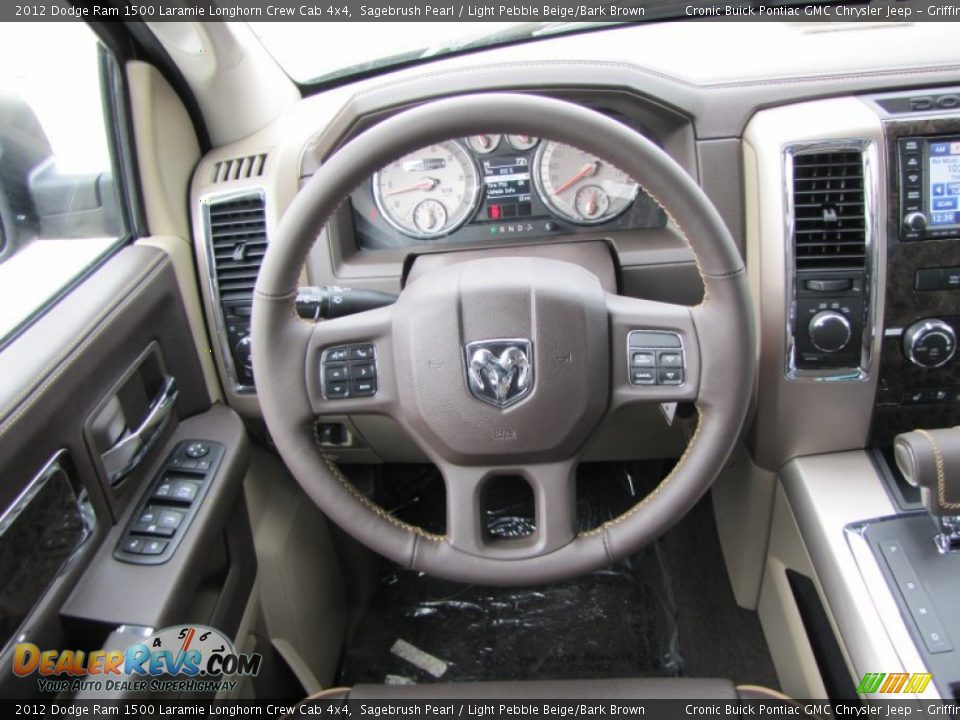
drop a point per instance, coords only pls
(555, 355)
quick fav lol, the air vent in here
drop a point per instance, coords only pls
(240, 168)
(829, 228)
(238, 242)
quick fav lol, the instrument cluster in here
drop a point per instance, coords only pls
(487, 186)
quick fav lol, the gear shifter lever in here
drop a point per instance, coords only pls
(930, 460)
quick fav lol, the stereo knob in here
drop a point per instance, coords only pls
(915, 221)
(829, 331)
(929, 343)
(243, 351)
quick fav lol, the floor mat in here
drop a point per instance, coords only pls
(666, 611)
(616, 622)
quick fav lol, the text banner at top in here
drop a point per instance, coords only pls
(474, 11)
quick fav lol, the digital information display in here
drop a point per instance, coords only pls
(507, 180)
(944, 183)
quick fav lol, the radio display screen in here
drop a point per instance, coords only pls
(943, 182)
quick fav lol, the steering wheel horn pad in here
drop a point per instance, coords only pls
(544, 322)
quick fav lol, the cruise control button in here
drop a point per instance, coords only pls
(336, 373)
(361, 352)
(364, 388)
(643, 359)
(639, 376)
(338, 354)
(154, 547)
(363, 371)
(337, 390)
(671, 376)
(670, 360)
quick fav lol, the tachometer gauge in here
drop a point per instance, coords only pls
(581, 187)
(430, 192)
(484, 144)
(522, 142)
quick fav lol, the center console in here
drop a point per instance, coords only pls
(919, 379)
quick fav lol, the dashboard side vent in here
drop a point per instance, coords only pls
(238, 242)
(829, 213)
(240, 168)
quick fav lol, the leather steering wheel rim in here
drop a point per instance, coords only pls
(285, 355)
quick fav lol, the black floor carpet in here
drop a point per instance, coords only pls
(666, 611)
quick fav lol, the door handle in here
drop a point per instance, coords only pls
(129, 451)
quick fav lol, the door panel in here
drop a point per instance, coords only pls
(109, 337)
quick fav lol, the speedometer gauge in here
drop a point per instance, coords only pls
(581, 187)
(430, 192)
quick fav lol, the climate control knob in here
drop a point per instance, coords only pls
(929, 343)
(243, 351)
(829, 331)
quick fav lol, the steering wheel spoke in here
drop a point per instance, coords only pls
(349, 365)
(655, 352)
(468, 509)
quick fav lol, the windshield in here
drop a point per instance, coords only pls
(317, 52)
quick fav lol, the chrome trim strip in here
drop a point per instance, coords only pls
(206, 200)
(872, 234)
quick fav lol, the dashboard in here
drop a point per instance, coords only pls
(834, 263)
(496, 187)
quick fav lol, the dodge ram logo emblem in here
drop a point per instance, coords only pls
(500, 372)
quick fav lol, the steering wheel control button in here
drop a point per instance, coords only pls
(671, 376)
(643, 376)
(656, 358)
(361, 352)
(363, 388)
(670, 360)
(644, 359)
(362, 371)
(338, 390)
(349, 371)
(336, 373)
(197, 450)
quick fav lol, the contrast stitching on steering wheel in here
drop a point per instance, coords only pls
(367, 502)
